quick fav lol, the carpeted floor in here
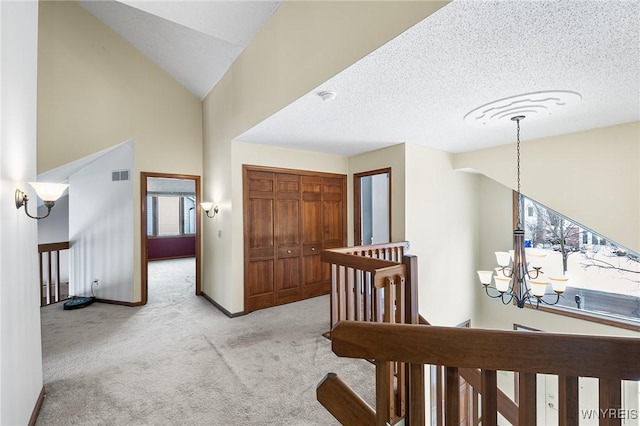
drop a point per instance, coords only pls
(180, 361)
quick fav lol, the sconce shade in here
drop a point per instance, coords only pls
(207, 208)
(49, 191)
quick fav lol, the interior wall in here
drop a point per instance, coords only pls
(292, 54)
(592, 177)
(442, 227)
(20, 346)
(97, 91)
(394, 157)
(101, 228)
(56, 228)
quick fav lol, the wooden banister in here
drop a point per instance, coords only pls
(506, 406)
(368, 264)
(50, 284)
(375, 317)
(343, 403)
(532, 352)
(378, 283)
(463, 350)
(53, 246)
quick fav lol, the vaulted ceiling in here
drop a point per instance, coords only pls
(451, 82)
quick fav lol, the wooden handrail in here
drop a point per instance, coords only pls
(400, 248)
(374, 316)
(53, 246)
(50, 279)
(369, 264)
(343, 403)
(532, 352)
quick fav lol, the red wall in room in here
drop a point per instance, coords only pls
(171, 247)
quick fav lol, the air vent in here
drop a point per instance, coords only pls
(118, 175)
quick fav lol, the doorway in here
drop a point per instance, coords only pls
(170, 222)
(372, 207)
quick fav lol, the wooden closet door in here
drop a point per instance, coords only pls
(290, 216)
(334, 220)
(312, 236)
(259, 225)
(288, 239)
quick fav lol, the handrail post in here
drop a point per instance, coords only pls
(452, 397)
(384, 388)
(489, 392)
(527, 399)
(610, 398)
(568, 400)
(411, 289)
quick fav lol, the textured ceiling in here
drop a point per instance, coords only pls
(193, 41)
(418, 88)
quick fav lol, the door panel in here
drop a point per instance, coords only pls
(259, 223)
(261, 284)
(288, 222)
(288, 281)
(288, 238)
(261, 226)
(333, 220)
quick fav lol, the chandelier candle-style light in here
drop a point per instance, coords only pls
(515, 278)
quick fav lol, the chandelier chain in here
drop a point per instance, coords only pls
(518, 155)
(518, 168)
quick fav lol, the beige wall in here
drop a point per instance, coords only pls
(96, 91)
(393, 157)
(441, 224)
(593, 177)
(294, 52)
(495, 233)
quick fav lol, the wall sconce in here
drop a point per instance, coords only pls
(207, 207)
(48, 192)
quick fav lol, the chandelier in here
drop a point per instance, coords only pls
(516, 279)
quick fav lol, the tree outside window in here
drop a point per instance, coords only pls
(604, 277)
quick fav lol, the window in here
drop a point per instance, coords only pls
(604, 277)
(170, 215)
(530, 211)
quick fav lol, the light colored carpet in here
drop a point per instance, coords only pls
(180, 361)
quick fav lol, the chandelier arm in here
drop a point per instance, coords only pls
(541, 299)
(505, 274)
(537, 270)
(486, 289)
(511, 297)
